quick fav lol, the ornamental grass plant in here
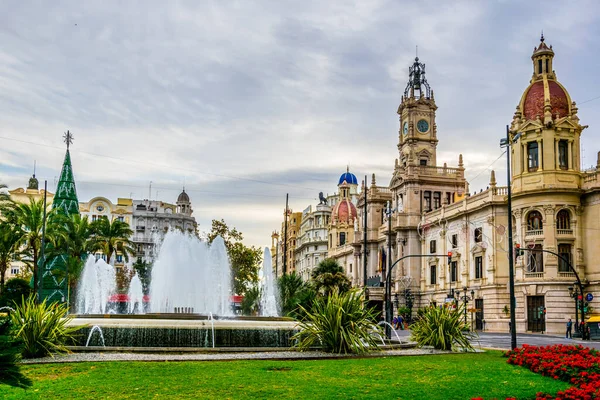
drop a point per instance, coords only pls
(339, 323)
(443, 328)
(42, 328)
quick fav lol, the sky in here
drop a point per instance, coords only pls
(244, 102)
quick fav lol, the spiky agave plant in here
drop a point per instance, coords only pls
(339, 323)
(42, 328)
(443, 328)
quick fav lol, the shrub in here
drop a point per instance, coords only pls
(14, 290)
(42, 327)
(443, 328)
(339, 323)
(10, 353)
(250, 302)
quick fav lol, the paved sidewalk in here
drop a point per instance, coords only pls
(273, 355)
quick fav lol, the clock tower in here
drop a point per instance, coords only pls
(417, 119)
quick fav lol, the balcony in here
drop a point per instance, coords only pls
(140, 228)
(534, 274)
(534, 232)
(564, 232)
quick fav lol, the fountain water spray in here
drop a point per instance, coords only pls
(268, 298)
(95, 328)
(136, 296)
(190, 274)
(97, 283)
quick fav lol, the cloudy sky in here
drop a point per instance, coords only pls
(247, 101)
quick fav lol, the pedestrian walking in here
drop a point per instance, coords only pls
(401, 322)
(569, 334)
(395, 322)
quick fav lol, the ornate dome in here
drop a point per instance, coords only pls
(183, 197)
(344, 211)
(545, 97)
(349, 177)
(533, 105)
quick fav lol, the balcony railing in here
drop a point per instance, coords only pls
(564, 231)
(534, 232)
(534, 274)
(566, 275)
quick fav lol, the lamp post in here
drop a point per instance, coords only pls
(388, 288)
(575, 296)
(507, 142)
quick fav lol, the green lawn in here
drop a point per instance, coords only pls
(452, 376)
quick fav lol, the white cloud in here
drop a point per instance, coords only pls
(283, 94)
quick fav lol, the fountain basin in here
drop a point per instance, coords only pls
(181, 330)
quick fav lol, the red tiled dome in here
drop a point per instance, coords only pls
(534, 101)
(344, 211)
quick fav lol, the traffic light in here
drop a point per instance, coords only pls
(518, 250)
(449, 257)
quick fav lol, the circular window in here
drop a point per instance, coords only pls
(100, 208)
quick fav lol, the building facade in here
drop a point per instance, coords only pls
(148, 219)
(24, 196)
(311, 244)
(152, 219)
(555, 209)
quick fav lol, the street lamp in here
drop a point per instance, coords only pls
(507, 142)
(575, 296)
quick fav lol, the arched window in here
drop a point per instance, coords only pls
(563, 220)
(534, 221)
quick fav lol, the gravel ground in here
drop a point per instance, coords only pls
(279, 355)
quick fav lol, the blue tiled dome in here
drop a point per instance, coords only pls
(349, 177)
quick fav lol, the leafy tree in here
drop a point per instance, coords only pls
(294, 292)
(250, 303)
(3, 195)
(245, 261)
(11, 236)
(144, 272)
(14, 290)
(74, 235)
(29, 218)
(329, 277)
(113, 237)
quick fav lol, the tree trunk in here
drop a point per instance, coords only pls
(3, 268)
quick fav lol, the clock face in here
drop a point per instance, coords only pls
(100, 208)
(423, 126)
(405, 128)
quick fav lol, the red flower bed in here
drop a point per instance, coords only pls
(577, 365)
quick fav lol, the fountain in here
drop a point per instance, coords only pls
(190, 274)
(268, 299)
(189, 302)
(135, 296)
(94, 329)
(97, 283)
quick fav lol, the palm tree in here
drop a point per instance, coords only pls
(3, 195)
(29, 218)
(74, 235)
(10, 242)
(293, 291)
(328, 277)
(111, 237)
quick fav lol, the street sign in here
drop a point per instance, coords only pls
(589, 297)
